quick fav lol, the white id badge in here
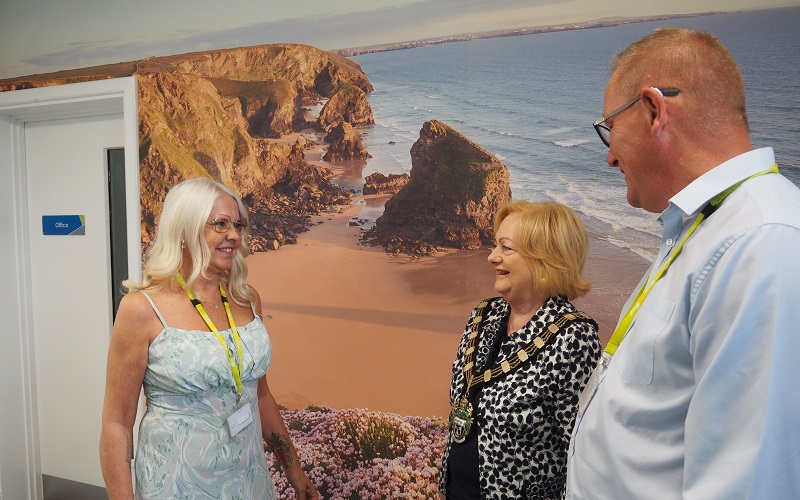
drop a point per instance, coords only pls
(240, 419)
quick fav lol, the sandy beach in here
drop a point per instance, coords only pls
(354, 327)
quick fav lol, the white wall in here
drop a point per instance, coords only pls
(56, 300)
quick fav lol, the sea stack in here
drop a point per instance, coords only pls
(455, 189)
(344, 143)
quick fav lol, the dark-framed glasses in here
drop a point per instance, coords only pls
(222, 224)
(604, 131)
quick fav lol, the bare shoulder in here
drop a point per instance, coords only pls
(256, 299)
(255, 292)
(135, 306)
(136, 319)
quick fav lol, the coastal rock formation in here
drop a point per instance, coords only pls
(450, 200)
(272, 109)
(377, 183)
(344, 143)
(216, 114)
(276, 220)
(348, 104)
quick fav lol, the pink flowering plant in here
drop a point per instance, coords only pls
(359, 454)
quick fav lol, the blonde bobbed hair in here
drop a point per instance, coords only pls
(553, 241)
(183, 218)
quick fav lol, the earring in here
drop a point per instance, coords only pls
(183, 244)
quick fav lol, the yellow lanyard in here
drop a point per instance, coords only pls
(626, 322)
(235, 364)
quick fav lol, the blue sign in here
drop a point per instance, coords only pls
(61, 225)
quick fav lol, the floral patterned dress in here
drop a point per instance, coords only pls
(184, 448)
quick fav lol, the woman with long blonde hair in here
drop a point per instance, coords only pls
(190, 334)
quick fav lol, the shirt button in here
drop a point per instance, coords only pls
(670, 242)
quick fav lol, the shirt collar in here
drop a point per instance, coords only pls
(694, 197)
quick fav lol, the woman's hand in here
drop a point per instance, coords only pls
(276, 436)
(303, 487)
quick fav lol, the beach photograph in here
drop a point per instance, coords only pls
(367, 281)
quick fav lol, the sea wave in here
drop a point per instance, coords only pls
(568, 143)
(642, 252)
(391, 129)
(557, 131)
(500, 132)
(624, 226)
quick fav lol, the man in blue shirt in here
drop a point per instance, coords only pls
(696, 396)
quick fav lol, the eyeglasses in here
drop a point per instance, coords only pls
(605, 132)
(222, 225)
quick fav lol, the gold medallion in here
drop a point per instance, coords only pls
(461, 419)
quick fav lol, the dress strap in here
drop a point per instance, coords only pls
(154, 308)
(253, 307)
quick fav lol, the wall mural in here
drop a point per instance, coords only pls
(367, 280)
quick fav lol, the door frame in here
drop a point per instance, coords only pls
(20, 463)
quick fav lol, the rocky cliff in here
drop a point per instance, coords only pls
(213, 113)
(345, 143)
(454, 190)
(347, 104)
(377, 183)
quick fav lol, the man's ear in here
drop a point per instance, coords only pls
(653, 101)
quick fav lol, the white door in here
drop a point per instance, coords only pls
(67, 175)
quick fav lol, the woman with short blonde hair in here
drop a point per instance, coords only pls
(523, 360)
(553, 241)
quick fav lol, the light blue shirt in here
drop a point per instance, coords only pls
(701, 399)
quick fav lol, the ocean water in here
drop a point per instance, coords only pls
(530, 100)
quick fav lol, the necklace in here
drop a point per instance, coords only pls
(461, 416)
(208, 303)
(462, 413)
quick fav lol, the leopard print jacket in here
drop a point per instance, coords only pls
(525, 420)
